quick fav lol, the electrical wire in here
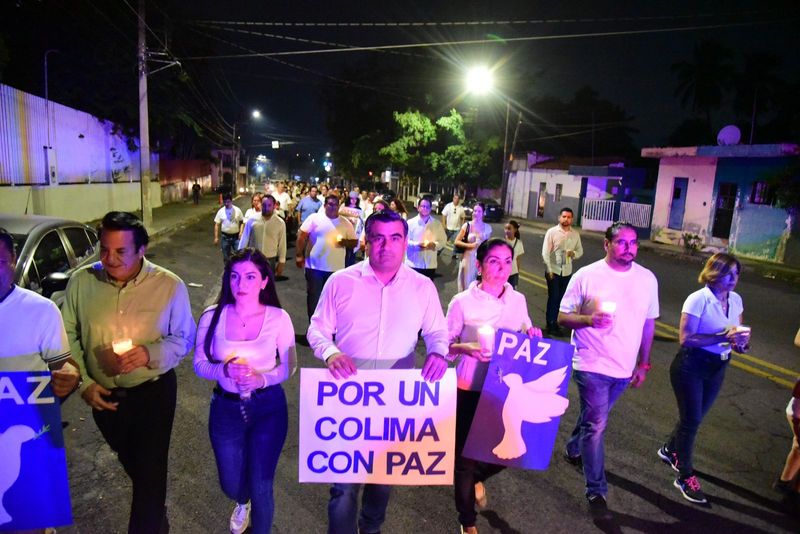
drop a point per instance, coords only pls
(491, 41)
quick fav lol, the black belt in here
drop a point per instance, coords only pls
(235, 396)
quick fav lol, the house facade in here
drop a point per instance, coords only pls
(723, 195)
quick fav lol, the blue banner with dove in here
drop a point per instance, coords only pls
(523, 398)
(34, 489)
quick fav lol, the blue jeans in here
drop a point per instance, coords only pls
(315, 281)
(598, 393)
(343, 508)
(229, 243)
(247, 452)
(696, 377)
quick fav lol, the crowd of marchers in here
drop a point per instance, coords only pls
(126, 323)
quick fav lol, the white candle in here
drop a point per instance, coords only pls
(486, 338)
(425, 243)
(121, 346)
(339, 238)
(608, 306)
(743, 329)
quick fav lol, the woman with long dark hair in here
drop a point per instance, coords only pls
(469, 238)
(710, 329)
(493, 302)
(246, 344)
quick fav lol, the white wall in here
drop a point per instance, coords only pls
(699, 196)
(81, 202)
(523, 184)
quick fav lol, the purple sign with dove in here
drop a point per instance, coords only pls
(523, 398)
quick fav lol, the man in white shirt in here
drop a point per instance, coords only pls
(375, 310)
(612, 306)
(227, 223)
(562, 245)
(453, 216)
(328, 235)
(425, 238)
(282, 198)
(268, 235)
(33, 335)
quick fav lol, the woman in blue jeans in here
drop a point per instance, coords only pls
(710, 328)
(246, 344)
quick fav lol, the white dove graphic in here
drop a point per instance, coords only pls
(11, 451)
(536, 401)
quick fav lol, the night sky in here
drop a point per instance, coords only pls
(629, 69)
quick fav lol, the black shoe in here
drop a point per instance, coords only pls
(598, 508)
(690, 489)
(575, 461)
(783, 486)
(668, 457)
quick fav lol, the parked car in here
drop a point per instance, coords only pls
(49, 250)
(494, 211)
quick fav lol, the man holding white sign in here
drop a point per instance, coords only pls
(375, 310)
(611, 305)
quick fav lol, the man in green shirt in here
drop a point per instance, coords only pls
(129, 324)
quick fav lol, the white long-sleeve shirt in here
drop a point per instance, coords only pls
(272, 354)
(420, 231)
(375, 324)
(473, 308)
(556, 244)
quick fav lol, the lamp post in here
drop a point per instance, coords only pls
(480, 81)
(47, 93)
(255, 114)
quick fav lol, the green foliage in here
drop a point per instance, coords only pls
(786, 184)
(417, 131)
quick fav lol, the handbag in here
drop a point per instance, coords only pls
(462, 248)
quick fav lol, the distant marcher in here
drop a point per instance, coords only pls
(328, 235)
(33, 335)
(426, 238)
(788, 482)
(269, 235)
(488, 302)
(511, 233)
(130, 324)
(397, 205)
(227, 223)
(351, 211)
(283, 199)
(246, 344)
(196, 189)
(308, 205)
(252, 214)
(710, 329)
(453, 216)
(350, 330)
(377, 207)
(612, 306)
(561, 246)
(471, 235)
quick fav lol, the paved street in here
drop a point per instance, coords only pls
(740, 449)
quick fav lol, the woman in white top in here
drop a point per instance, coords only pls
(710, 328)
(352, 212)
(246, 344)
(471, 235)
(511, 233)
(494, 302)
(250, 216)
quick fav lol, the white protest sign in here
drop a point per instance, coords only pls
(377, 427)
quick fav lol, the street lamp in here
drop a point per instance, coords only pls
(480, 81)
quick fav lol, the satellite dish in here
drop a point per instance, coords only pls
(729, 135)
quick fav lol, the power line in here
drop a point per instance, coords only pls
(491, 41)
(478, 23)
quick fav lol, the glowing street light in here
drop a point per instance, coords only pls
(479, 80)
(256, 114)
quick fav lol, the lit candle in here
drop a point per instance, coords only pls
(608, 306)
(486, 339)
(425, 243)
(121, 346)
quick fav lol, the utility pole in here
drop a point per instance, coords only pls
(144, 124)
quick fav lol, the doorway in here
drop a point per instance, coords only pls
(678, 206)
(723, 215)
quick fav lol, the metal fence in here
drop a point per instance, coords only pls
(598, 210)
(636, 214)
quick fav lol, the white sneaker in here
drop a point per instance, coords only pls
(240, 518)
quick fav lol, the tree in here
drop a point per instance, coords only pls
(464, 160)
(703, 81)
